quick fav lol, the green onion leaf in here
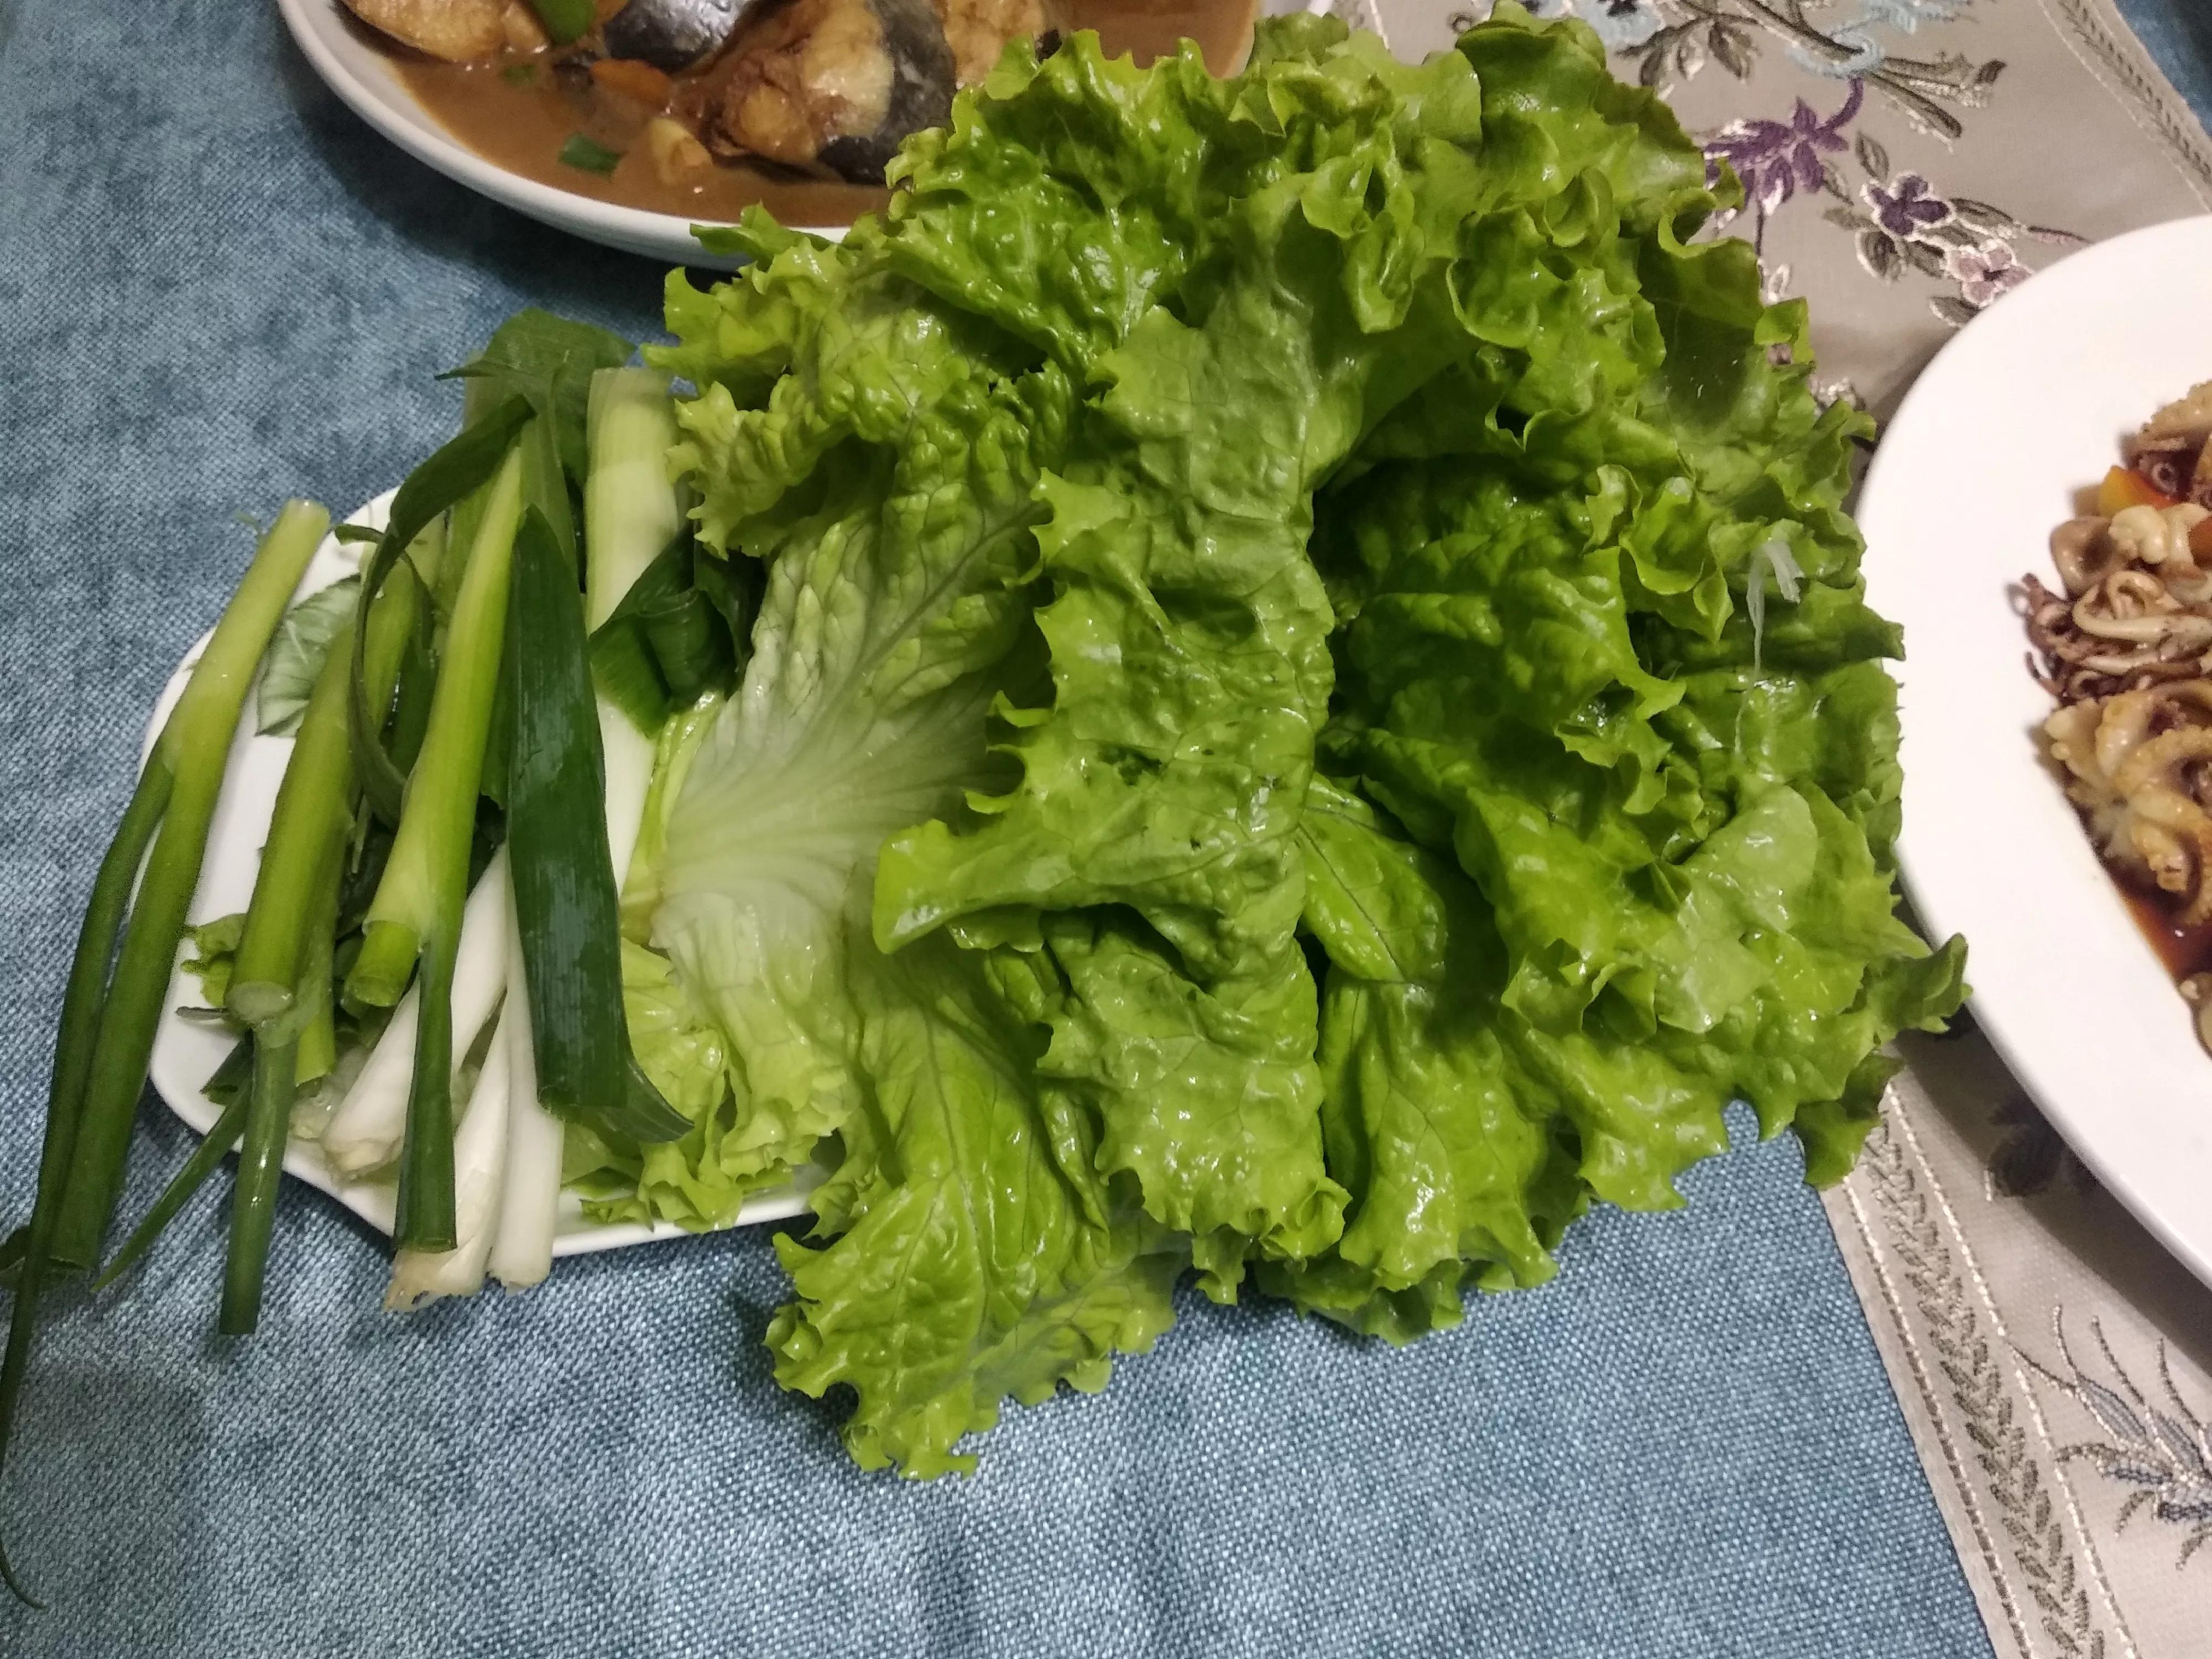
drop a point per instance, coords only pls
(665, 642)
(300, 857)
(227, 1083)
(73, 1053)
(454, 471)
(588, 155)
(260, 1167)
(187, 1181)
(356, 532)
(550, 361)
(414, 924)
(565, 904)
(195, 744)
(733, 587)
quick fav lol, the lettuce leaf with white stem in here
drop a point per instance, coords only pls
(887, 487)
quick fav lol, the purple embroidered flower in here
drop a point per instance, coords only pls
(1778, 158)
(1907, 207)
(1984, 273)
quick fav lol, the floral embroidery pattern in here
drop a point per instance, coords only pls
(1908, 209)
(2166, 1455)
(1688, 32)
(1984, 273)
(1900, 222)
(1775, 160)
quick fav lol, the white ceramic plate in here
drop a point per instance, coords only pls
(186, 1052)
(341, 53)
(2027, 405)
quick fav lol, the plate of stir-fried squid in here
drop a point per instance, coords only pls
(2039, 518)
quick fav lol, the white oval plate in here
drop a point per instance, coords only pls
(342, 53)
(187, 1051)
(2026, 406)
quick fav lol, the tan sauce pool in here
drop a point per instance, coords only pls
(518, 113)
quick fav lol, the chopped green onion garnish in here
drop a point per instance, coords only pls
(588, 155)
(564, 19)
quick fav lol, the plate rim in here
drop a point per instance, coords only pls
(1937, 908)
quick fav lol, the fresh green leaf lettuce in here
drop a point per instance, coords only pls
(1218, 532)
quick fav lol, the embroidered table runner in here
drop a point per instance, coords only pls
(1905, 163)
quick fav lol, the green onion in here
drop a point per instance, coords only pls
(411, 712)
(415, 917)
(277, 1068)
(426, 875)
(229, 1081)
(107, 1023)
(664, 643)
(369, 1129)
(260, 1166)
(565, 903)
(449, 476)
(588, 155)
(549, 360)
(187, 1181)
(318, 1039)
(631, 512)
(313, 811)
(397, 618)
(73, 1053)
(195, 744)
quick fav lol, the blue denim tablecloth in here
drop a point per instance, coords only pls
(218, 289)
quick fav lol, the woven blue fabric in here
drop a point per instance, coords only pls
(218, 289)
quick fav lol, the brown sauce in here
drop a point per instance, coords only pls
(2184, 950)
(518, 113)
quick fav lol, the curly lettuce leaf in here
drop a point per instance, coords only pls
(1168, 441)
(1468, 1136)
(1313, 208)
(702, 1179)
(881, 454)
(972, 1266)
(885, 479)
